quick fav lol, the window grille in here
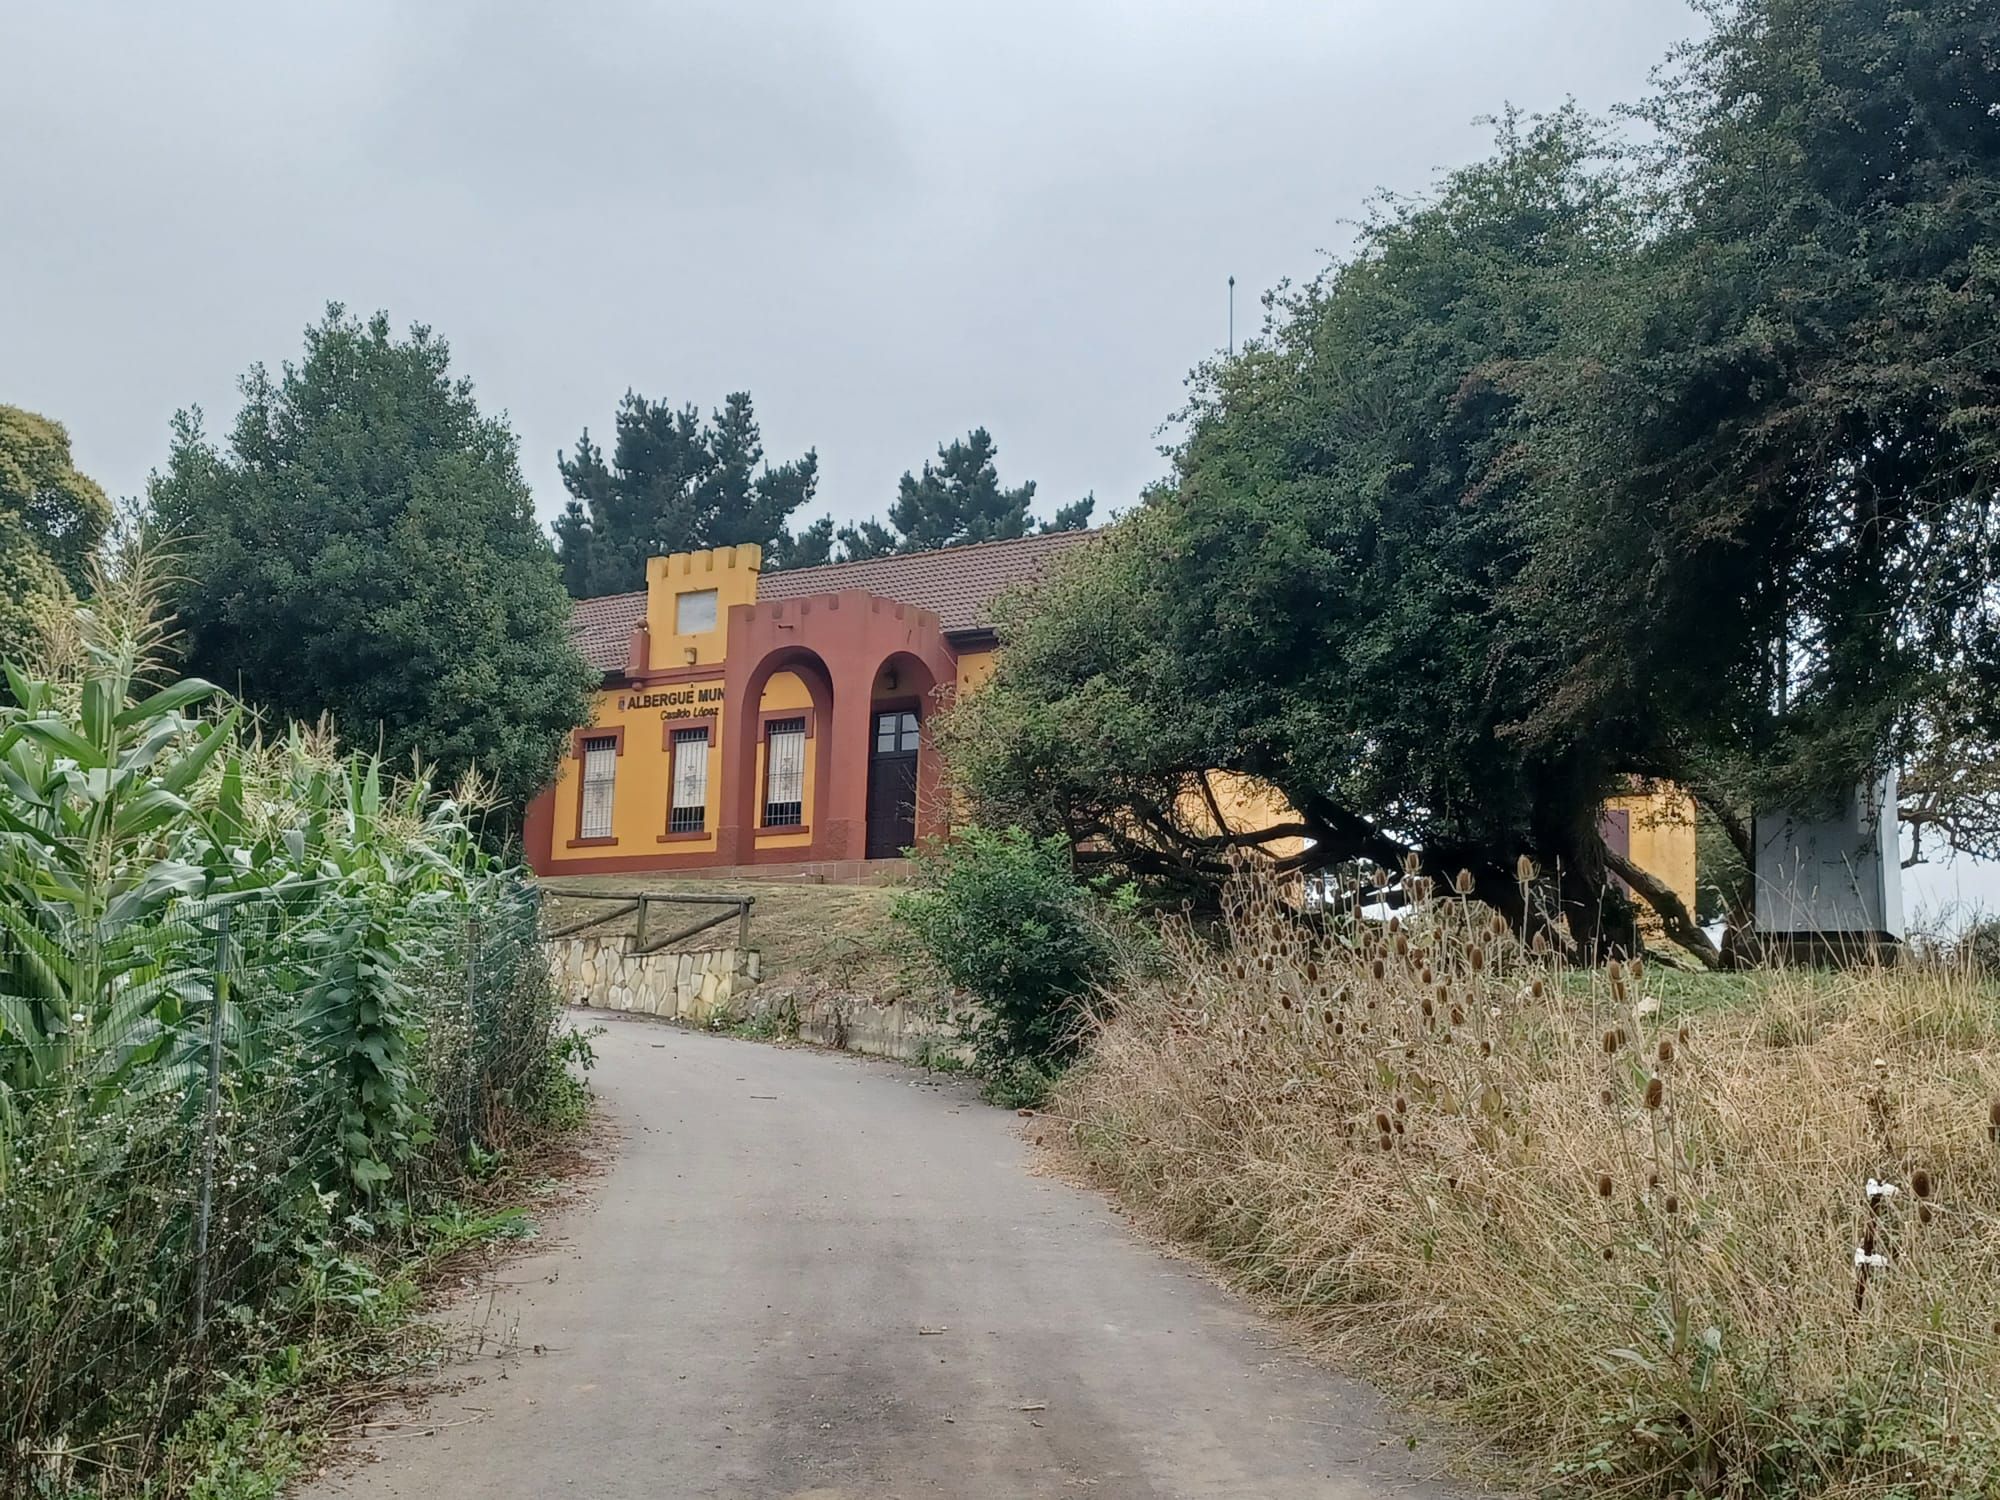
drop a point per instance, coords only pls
(689, 813)
(600, 771)
(785, 774)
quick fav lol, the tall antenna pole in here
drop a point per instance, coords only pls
(1232, 317)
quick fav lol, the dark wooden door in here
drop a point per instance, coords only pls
(892, 784)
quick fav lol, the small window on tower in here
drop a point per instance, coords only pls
(694, 614)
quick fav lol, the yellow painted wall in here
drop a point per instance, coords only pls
(1662, 819)
(1663, 843)
(645, 771)
(730, 571)
(975, 667)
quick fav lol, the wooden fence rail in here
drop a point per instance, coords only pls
(642, 902)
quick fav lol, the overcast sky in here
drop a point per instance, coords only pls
(889, 220)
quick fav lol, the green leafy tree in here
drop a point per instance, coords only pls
(366, 548)
(1318, 598)
(1772, 547)
(673, 484)
(51, 521)
(956, 500)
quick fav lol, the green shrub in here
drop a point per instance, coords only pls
(1980, 946)
(1003, 917)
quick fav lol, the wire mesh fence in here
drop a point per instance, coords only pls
(211, 1121)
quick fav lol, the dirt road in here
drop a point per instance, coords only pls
(809, 1275)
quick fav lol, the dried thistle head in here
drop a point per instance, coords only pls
(1476, 959)
(1665, 1050)
(1412, 864)
(1462, 882)
(1656, 1092)
(1524, 869)
(1920, 1183)
(1610, 1040)
(1604, 1184)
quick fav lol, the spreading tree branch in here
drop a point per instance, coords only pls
(1664, 899)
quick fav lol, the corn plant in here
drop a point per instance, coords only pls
(237, 998)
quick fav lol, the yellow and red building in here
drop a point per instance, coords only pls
(750, 719)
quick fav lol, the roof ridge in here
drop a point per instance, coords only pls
(956, 549)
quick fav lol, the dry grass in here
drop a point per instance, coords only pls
(1620, 1241)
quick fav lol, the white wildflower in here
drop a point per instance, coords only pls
(1863, 1258)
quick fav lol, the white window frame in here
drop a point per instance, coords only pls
(785, 773)
(688, 809)
(600, 781)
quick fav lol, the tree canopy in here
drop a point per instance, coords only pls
(365, 548)
(1315, 599)
(1771, 534)
(51, 520)
(1595, 461)
(674, 483)
(958, 499)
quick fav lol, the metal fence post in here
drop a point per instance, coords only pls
(205, 1202)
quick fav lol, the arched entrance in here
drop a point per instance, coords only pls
(857, 641)
(901, 757)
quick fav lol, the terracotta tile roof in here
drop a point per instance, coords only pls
(959, 584)
(602, 628)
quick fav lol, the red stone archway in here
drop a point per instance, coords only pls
(841, 640)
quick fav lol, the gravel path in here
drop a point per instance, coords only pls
(810, 1275)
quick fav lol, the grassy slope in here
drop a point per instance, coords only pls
(838, 935)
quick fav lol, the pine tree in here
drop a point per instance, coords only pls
(673, 484)
(955, 501)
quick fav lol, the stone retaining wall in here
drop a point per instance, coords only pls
(604, 971)
(910, 1031)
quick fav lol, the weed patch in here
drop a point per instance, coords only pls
(1730, 1249)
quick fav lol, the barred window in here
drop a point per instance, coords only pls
(785, 774)
(689, 814)
(600, 771)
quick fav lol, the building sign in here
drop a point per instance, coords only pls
(676, 702)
